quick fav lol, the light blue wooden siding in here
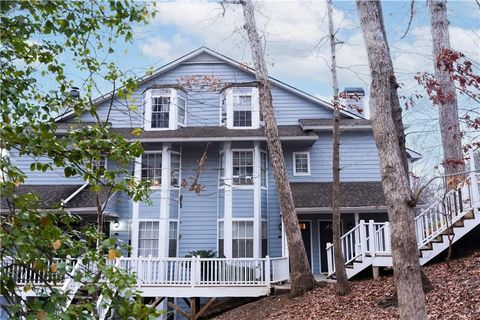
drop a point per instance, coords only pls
(203, 104)
(152, 210)
(358, 158)
(274, 220)
(55, 176)
(221, 203)
(264, 204)
(123, 204)
(290, 107)
(198, 216)
(242, 203)
(174, 203)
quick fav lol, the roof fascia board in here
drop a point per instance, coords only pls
(343, 209)
(196, 139)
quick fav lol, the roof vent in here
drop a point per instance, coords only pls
(75, 92)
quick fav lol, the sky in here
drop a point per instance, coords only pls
(298, 52)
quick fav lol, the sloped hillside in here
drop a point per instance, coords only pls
(456, 296)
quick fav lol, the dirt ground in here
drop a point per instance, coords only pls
(456, 295)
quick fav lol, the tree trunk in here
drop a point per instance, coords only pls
(301, 276)
(453, 160)
(340, 271)
(385, 108)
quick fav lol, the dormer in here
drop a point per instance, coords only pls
(240, 108)
(164, 109)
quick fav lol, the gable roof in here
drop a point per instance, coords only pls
(227, 60)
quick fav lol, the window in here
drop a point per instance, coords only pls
(148, 238)
(242, 167)
(242, 107)
(223, 104)
(264, 238)
(172, 239)
(175, 169)
(160, 112)
(301, 163)
(99, 164)
(221, 170)
(181, 111)
(263, 168)
(242, 239)
(220, 239)
(152, 168)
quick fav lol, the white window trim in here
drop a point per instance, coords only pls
(229, 98)
(244, 186)
(179, 170)
(178, 235)
(138, 233)
(184, 124)
(153, 187)
(265, 187)
(295, 173)
(172, 112)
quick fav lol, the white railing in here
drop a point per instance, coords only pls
(429, 224)
(437, 218)
(195, 271)
(37, 274)
(280, 269)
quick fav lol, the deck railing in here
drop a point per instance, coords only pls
(195, 271)
(373, 238)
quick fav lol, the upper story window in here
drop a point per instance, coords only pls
(243, 167)
(301, 163)
(99, 164)
(160, 112)
(175, 169)
(152, 168)
(263, 168)
(148, 234)
(165, 109)
(240, 108)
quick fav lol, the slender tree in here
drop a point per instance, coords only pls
(301, 275)
(385, 107)
(340, 271)
(453, 160)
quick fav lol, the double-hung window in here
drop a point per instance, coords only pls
(148, 234)
(160, 112)
(175, 169)
(242, 239)
(172, 239)
(242, 107)
(181, 111)
(243, 167)
(301, 163)
(263, 168)
(152, 168)
(264, 238)
(99, 164)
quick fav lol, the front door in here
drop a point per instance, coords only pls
(306, 229)
(326, 235)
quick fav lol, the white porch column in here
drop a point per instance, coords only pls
(257, 198)
(136, 209)
(164, 202)
(284, 240)
(228, 200)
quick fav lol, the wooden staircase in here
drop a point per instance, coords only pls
(437, 227)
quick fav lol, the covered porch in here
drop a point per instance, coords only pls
(359, 201)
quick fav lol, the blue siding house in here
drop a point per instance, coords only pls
(206, 104)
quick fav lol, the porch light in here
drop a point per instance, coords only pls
(302, 226)
(116, 223)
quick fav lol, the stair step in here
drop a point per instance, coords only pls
(469, 215)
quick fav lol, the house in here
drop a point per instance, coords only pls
(205, 103)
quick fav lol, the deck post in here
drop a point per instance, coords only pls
(193, 309)
(363, 238)
(388, 245)
(267, 270)
(371, 234)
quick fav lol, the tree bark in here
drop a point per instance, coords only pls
(385, 108)
(340, 271)
(453, 160)
(301, 276)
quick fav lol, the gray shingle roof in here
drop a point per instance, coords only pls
(327, 123)
(286, 131)
(352, 194)
(51, 196)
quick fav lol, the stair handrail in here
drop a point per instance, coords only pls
(357, 252)
(433, 220)
(103, 303)
(71, 286)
